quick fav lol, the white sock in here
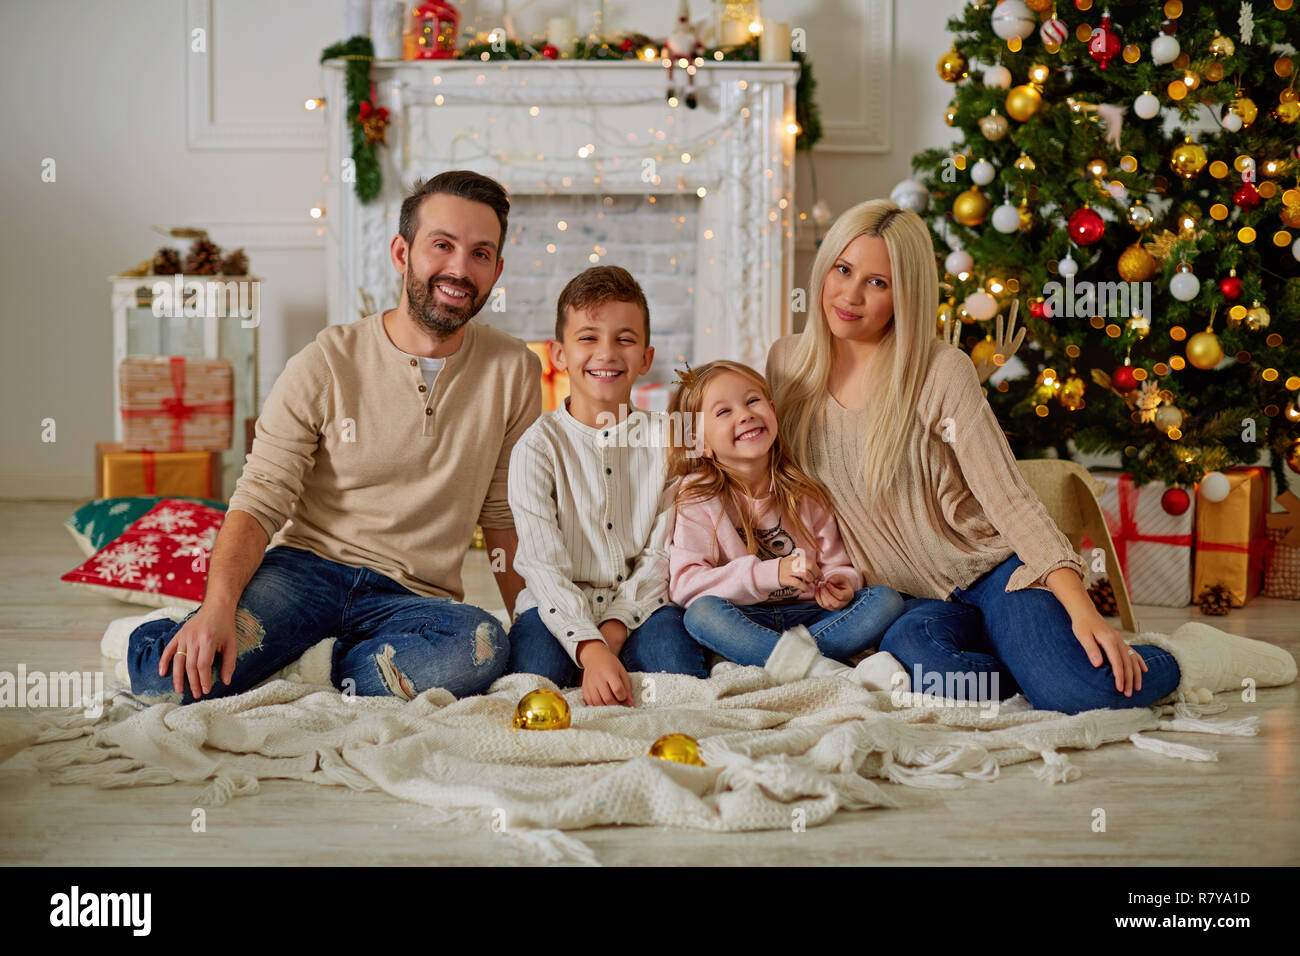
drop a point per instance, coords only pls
(877, 672)
(1211, 660)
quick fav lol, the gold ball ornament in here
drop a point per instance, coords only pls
(1288, 111)
(1023, 102)
(1071, 394)
(1222, 46)
(971, 207)
(1188, 159)
(983, 351)
(1204, 350)
(1136, 264)
(542, 709)
(1040, 6)
(1025, 163)
(1167, 417)
(1257, 318)
(994, 126)
(1290, 216)
(1245, 108)
(678, 748)
(1139, 216)
(950, 114)
(952, 66)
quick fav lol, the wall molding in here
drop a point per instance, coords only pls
(267, 233)
(204, 132)
(868, 129)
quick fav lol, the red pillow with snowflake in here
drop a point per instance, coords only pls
(160, 559)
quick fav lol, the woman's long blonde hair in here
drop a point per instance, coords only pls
(898, 365)
(790, 483)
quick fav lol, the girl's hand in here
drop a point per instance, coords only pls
(796, 571)
(834, 593)
(1103, 643)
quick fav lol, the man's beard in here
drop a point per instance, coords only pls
(436, 317)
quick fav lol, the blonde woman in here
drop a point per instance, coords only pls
(895, 425)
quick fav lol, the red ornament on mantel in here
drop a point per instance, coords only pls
(1246, 197)
(551, 51)
(1175, 501)
(1104, 45)
(439, 27)
(1123, 379)
(1230, 286)
(1085, 226)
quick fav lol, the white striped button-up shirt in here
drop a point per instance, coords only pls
(594, 517)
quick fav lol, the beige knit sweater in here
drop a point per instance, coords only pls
(960, 509)
(375, 469)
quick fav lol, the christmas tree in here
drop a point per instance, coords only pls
(1133, 172)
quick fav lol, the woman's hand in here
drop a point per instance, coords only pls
(1103, 643)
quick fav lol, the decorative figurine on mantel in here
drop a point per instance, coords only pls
(683, 43)
(439, 25)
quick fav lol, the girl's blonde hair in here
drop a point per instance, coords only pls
(712, 479)
(898, 365)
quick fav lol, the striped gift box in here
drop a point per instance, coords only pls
(172, 403)
(1154, 548)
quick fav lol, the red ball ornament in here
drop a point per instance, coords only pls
(1085, 226)
(1104, 45)
(626, 45)
(1040, 310)
(1230, 287)
(1247, 197)
(551, 51)
(1123, 379)
(1175, 501)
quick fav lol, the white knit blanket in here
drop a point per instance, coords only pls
(776, 756)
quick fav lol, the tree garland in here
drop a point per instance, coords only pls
(359, 52)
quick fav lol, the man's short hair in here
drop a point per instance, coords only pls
(596, 286)
(464, 183)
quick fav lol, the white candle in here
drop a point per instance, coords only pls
(774, 41)
(734, 33)
(561, 31)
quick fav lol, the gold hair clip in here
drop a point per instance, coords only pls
(686, 379)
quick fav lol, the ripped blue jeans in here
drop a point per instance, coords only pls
(390, 639)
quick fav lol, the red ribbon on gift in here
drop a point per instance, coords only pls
(148, 473)
(177, 408)
(1128, 529)
(1258, 547)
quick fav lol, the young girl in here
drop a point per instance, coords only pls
(756, 557)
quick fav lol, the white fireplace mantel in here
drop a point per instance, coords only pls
(525, 123)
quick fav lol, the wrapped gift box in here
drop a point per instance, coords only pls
(652, 396)
(1282, 570)
(555, 383)
(172, 403)
(1232, 537)
(188, 474)
(1154, 548)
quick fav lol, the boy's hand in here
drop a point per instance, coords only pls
(797, 571)
(604, 681)
(615, 634)
(834, 593)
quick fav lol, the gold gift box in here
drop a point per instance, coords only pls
(1232, 535)
(187, 474)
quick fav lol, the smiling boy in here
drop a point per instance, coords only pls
(592, 511)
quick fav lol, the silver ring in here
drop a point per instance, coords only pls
(1131, 651)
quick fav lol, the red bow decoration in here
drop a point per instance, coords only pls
(178, 410)
(374, 120)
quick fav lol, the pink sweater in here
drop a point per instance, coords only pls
(708, 554)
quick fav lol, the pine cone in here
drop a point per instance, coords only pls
(166, 262)
(1215, 600)
(1103, 598)
(235, 264)
(204, 258)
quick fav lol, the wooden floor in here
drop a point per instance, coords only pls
(1240, 810)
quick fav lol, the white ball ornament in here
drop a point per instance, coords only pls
(981, 305)
(821, 212)
(1215, 486)
(1067, 266)
(1147, 105)
(983, 172)
(1295, 250)
(1164, 49)
(1013, 18)
(1006, 218)
(962, 261)
(910, 194)
(1232, 121)
(1184, 286)
(997, 75)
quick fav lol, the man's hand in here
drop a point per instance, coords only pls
(604, 681)
(615, 633)
(834, 592)
(192, 649)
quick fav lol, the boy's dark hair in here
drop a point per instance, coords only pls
(464, 183)
(596, 286)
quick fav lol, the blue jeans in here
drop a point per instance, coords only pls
(390, 639)
(660, 645)
(747, 634)
(1001, 643)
